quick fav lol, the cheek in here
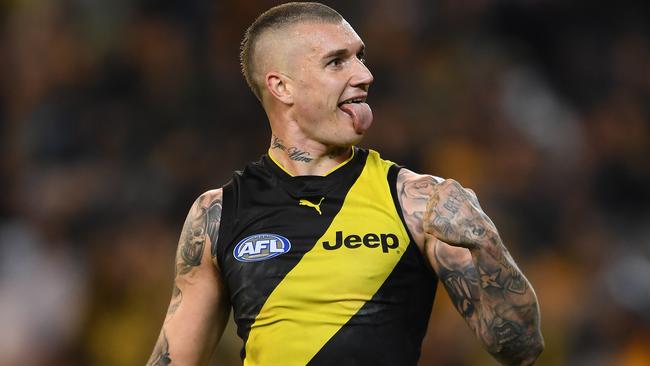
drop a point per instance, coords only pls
(318, 95)
(318, 100)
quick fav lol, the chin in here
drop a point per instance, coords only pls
(340, 135)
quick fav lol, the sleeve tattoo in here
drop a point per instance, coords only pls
(202, 222)
(495, 301)
(488, 290)
(414, 195)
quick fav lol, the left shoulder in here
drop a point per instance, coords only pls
(418, 184)
(413, 192)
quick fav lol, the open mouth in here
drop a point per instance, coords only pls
(352, 101)
(359, 112)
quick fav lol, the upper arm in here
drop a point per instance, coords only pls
(199, 306)
(484, 285)
(453, 265)
(414, 191)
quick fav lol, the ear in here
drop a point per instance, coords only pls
(279, 85)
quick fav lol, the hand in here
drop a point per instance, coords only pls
(454, 216)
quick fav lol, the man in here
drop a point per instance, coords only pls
(327, 253)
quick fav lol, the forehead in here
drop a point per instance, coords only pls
(313, 38)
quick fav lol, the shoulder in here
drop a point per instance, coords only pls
(203, 222)
(205, 214)
(411, 185)
(205, 211)
(208, 198)
(208, 206)
(413, 192)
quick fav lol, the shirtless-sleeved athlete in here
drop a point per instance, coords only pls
(327, 253)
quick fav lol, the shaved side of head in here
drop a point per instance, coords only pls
(264, 41)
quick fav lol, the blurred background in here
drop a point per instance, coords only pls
(115, 115)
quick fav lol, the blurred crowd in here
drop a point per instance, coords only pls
(115, 115)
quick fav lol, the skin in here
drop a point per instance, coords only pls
(199, 307)
(303, 84)
(311, 135)
(464, 248)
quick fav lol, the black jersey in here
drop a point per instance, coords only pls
(322, 270)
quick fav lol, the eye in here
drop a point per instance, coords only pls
(362, 56)
(335, 62)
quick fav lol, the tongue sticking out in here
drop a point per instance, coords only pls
(361, 115)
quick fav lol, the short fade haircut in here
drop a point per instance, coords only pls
(276, 18)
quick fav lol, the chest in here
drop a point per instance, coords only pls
(331, 235)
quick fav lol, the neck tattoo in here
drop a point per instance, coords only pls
(294, 153)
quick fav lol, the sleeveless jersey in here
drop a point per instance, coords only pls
(322, 270)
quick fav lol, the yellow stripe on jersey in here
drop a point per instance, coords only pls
(327, 287)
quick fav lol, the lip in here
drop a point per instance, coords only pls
(362, 96)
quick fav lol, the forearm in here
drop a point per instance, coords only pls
(507, 308)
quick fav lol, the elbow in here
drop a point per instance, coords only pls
(533, 353)
(524, 355)
(539, 347)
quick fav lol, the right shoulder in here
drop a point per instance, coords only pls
(212, 203)
(204, 219)
(209, 198)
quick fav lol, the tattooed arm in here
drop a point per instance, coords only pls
(199, 307)
(464, 248)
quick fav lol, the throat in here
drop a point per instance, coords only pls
(298, 162)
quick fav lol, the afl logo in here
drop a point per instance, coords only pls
(260, 247)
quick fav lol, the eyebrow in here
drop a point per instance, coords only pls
(342, 52)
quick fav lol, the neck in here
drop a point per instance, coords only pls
(307, 157)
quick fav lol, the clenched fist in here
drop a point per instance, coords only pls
(454, 216)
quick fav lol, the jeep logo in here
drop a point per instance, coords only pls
(386, 241)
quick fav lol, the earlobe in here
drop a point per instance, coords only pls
(278, 85)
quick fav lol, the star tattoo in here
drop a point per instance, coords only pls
(489, 280)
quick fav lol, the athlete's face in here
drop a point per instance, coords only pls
(330, 83)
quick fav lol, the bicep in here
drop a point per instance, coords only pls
(197, 313)
(457, 272)
(453, 265)
(199, 307)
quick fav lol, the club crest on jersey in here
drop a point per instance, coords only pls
(261, 247)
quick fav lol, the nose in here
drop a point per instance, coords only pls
(361, 75)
